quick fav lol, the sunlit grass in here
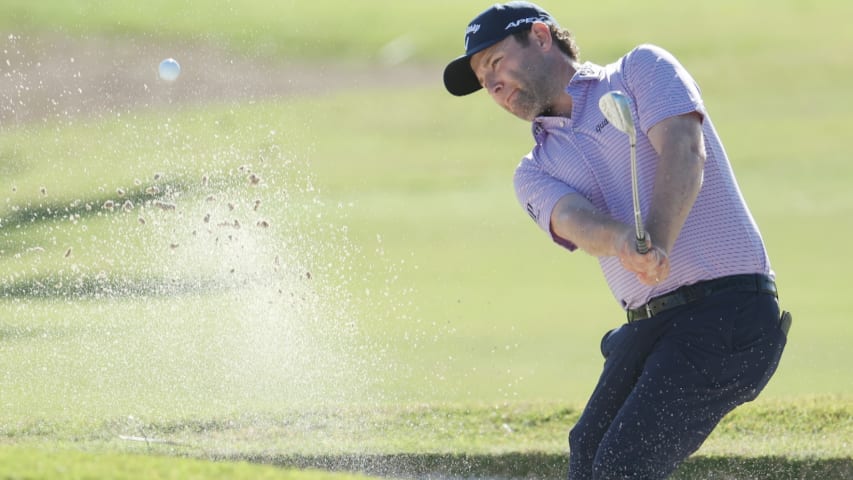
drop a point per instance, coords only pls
(397, 299)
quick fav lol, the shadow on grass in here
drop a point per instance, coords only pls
(554, 466)
(100, 287)
(765, 468)
(19, 333)
(45, 211)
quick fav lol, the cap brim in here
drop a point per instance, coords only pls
(459, 79)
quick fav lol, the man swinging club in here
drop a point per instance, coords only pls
(704, 331)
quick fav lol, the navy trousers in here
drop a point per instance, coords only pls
(669, 379)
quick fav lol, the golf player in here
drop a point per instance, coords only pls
(704, 331)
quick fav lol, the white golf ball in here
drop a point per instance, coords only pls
(169, 69)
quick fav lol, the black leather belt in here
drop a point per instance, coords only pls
(691, 293)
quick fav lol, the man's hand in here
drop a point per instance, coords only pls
(576, 220)
(651, 267)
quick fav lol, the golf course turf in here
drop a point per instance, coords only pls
(302, 256)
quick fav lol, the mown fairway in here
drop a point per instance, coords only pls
(380, 292)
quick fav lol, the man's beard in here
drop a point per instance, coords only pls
(532, 104)
(535, 97)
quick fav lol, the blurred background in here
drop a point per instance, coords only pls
(305, 215)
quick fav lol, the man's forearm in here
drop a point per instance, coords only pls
(678, 177)
(575, 219)
(676, 188)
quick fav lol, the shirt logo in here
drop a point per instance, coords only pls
(533, 212)
(586, 70)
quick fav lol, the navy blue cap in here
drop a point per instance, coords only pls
(487, 29)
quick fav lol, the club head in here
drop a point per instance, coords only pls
(617, 110)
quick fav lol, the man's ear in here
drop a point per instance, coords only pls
(541, 35)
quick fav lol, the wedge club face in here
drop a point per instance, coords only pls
(617, 110)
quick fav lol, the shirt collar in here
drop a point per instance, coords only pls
(585, 72)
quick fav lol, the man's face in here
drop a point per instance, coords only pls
(516, 77)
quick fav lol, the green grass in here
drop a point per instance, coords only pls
(457, 328)
(455, 250)
(48, 463)
(477, 331)
(444, 321)
(726, 32)
(515, 439)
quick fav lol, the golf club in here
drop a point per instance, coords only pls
(617, 110)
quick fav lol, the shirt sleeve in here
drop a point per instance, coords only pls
(660, 85)
(538, 193)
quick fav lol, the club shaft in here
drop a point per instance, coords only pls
(616, 109)
(635, 191)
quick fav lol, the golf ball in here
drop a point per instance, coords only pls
(169, 69)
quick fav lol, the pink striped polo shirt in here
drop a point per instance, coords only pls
(585, 154)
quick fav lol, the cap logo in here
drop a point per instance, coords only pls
(522, 21)
(471, 30)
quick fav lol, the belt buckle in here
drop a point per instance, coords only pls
(648, 311)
